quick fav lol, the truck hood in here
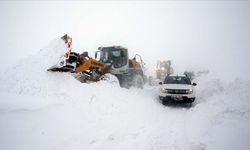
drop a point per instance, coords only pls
(177, 86)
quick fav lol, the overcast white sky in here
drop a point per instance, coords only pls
(193, 34)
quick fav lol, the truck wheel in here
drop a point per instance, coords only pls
(138, 81)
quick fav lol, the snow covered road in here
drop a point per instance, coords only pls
(104, 116)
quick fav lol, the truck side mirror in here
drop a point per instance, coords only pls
(160, 83)
(194, 84)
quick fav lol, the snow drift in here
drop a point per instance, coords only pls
(53, 111)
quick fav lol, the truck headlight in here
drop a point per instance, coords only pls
(164, 90)
(190, 91)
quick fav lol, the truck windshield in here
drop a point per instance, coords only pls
(118, 57)
(105, 57)
(177, 80)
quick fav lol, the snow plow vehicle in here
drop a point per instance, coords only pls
(128, 71)
(163, 68)
(113, 59)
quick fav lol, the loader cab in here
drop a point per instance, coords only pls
(117, 56)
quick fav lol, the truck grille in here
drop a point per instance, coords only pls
(175, 91)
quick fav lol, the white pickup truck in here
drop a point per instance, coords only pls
(177, 88)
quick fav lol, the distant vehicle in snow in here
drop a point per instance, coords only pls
(162, 69)
(176, 88)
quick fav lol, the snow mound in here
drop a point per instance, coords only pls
(29, 76)
(222, 112)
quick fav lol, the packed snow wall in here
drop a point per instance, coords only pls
(30, 76)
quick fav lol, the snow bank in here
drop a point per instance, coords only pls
(223, 113)
(53, 111)
(30, 76)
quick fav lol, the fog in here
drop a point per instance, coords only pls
(195, 35)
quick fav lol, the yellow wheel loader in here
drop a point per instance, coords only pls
(130, 72)
(112, 60)
(163, 68)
